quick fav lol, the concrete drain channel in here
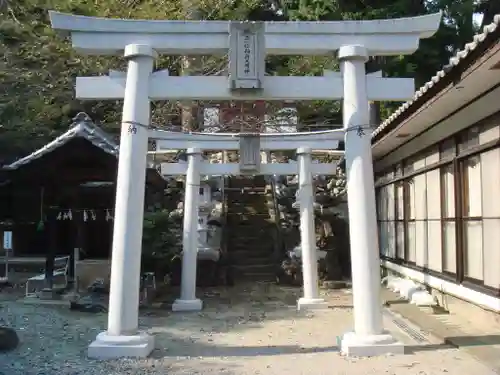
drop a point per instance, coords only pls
(413, 333)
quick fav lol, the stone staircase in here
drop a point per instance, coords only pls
(251, 233)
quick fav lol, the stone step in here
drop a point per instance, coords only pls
(257, 260)
(253, 277)
(242, 205)
(248, 240)
(261, 221)
(246, 190)
(248, 209)
(241, 201)
(245, 233)
(246, 187)
(239, 194)
(255, 269)
(248, 234)
(246, 215)
(246, 229)
(244, 202)
(245, 253)
(250, 243)
(240, 219)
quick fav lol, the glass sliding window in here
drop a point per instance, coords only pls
(400, 221)
(490, 187)
(382, 218)
(472, 218)
(433, 210)
(434, 233)
(421, 256)
(410, 227)
(449, 243)
(378, 198)
(391, 224)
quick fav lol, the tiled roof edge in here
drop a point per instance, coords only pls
(454, 61)
(82, 127)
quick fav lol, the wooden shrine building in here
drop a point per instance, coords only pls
(62, 196)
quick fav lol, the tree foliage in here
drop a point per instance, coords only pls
(38, 68)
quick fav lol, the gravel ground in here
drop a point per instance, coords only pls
(240, 332)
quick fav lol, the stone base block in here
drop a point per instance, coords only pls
(187, 305)
(304, 304)
(109, 347)
(353, 345)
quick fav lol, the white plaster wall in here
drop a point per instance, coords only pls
(446, 287)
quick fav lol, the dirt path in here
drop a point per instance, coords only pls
(242, 331)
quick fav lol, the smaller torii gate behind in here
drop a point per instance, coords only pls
(249, 147)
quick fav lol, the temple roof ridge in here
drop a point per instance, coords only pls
(81, 127)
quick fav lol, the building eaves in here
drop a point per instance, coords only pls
(480, 41)
(82, 127)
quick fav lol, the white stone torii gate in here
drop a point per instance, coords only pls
(248, 43)
(250, 163)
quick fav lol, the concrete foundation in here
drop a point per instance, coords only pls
(187, 305)
(109, 347)
(304, 304)
(354, 345)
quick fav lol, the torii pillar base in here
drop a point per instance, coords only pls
(187, 305)
(107, 346)
(306, 304)
(354, 345)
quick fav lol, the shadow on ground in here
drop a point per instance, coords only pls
(456, 342)
(473, 340)
(411, 349)
(205, 350)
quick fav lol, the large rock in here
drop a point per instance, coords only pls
(8, 339)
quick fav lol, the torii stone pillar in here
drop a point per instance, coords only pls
(311, 299)
(368, 338)
(188, 300)
(122, 338)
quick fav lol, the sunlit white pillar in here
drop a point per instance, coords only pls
(368, 337)
(311, 299)
(122, 338)
(188, 300)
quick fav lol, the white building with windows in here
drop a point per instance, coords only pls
(437, 178)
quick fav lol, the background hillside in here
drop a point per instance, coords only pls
(38, 69)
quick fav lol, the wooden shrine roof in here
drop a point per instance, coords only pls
(82, 127)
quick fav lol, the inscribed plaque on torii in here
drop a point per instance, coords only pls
(249, 153)
(247, 57)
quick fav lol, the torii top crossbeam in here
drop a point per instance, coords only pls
(380, 37)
